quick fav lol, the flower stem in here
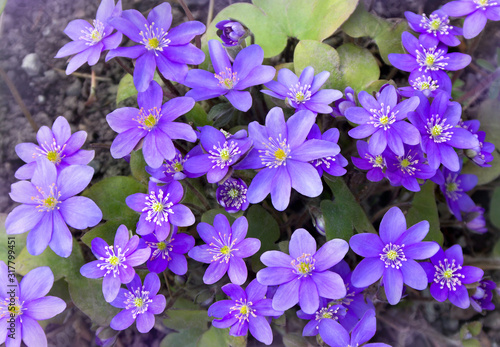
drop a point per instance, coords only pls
(190, 16)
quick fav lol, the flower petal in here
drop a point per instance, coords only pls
(367, 272)
(393, 285)
(330, 254)
(301, 243)
(392, 226)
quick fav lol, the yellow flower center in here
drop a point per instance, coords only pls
(436, 130)
(50, 203)
(304, 268)
(53, 156)
(178, 167)
(244, 310)
(405, 163)
(225, 155)
(96, 35)
(153, 42)
(327, 315)
(435, 24)
(233, 193)
(138, 302)
(228, 83)
(280, 154)
(157, 207)
(113, 260)
(225, 250)
(379, 160)
(429, 60)
(384, 120)
(392, 255)
(451, 187)
(150, 121)
(299, 97)
(425, 85)
(161, 246)
(448, 274)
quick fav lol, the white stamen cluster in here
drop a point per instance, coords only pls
(304, 265)
(49, 201)
(138, 301)
(154, 38)
(393, 255)
(299, 93)
(93, 34)
(233, 194)
(148, 119)
(382, 118)
(327, 161)
(423, 84)
(175, 165)
(244, 310)
(437, 129)
(376, 161)
(431, 59)
(6, 307)
(329, 312)
(221, 249)
(276, 153)
(483, 4)
(160, 249)
(447, 274)
(407, 162)
(227, 79)
(222, 156)
(453, 190)
(52, 152)
(113, 260)
(158, 207)
(435, 24)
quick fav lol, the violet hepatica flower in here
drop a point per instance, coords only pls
(230, 80)
(89, 40)
(160, 209)
(477, 12)
(232, 195)
(303, 276)
(427, 59)
(303, 93)
(152, 122)
(435, 28)
(423, 84)
(482, 154)
(57, 145)
(448, 276)
(159, 47)
(247, 310)
(221, 153)
(116, 262)
(405, 170)
(437, 123)
(391, 255)
(174, 169)
(140, 302)
(231, 32)
(383, 120)
(325, 318)
(475, 221)
(341, 105)
(20, 312)
(225, 248)
(169, 253)
(284, 155)
(375, 164)
(49, 206)
(482, 298)
(333, 165)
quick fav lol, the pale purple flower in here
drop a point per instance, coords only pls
(325, 318)
(160, 47)
(90, 40)
(140, 303)
(341, 105)
(435, 28)
(57, 145)
(375, 164)
(477, 12)
(174, 169)
(284, 155)
(482, 154)
(391, 255)
(303, 276)
(230, 80)
(169, 253)
(232, 195)
(423, 84)
(247, 310)
(231, 32)
(160, 209)
(116, 262)
(221, 153)
(303, 93)
(448, 276)
(23, 304)
(475, 221)
(333, 165)
(152, 122)
(437, 124)
(225, 248)
(383, 120)
(483, 297)
(49, 206)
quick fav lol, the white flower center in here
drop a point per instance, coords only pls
(382, 118)
(93, 34)
(222, 156)
(158, 207)
(304, 265)
(423, 84)
(407, 162)
(148, 119)
(435, 24)
(233, 194)
(483, 4)
(377, 161)
(453, 190)
(227, 79)
(438, 129)
(154, 38)
(299, 93)
(221, 248)
(447, 274)
(11, 306)
(52, 152)
(243, 310)
(276, 154)
(138, 301)
(393, 255)
(432, 59)
(113, 260)
(48, 201)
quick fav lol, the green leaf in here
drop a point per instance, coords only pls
(484, 174)
(187, 319)
(61, 267)
(110, 194)
(376, 85)
(488, 115)
(321, 57)
(197, 116)
(185, 338)
(86, 294)
(495, 208)
(386, 34)
(471, 343)
(215, 337)
(273, 22)
(344, 214)
(106, 231)
(221, 113)
(262, 226)
(138, 167)
(208, 217)
(358, 66)
(424, 208)
(18, 243)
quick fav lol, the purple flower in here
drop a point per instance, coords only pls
(247, 310)
(448, 276)
(152, 122)
(482, 298)
(426, 59)
(303, 275)
(139, 302)
(437, 123)
(303, 93)
(169, 253)
(228, 80)
(57, 145)
(424, 84)
(22, 305)
(435, 28)
(160, 209)
(474, 220)
(482, 154)
(375, 164)
(454, 185)
(391, 255)
(477, 12)
(225, 249)
(221, 153)
(89, 40)
(232, 195)
(167, 50)
(333, 165)
(283, 153)
(383, 120)
(341, 105)
(405, 170)
(115, 263)
(49, 206)
(231, 32)
(324, 319)
(174, 169)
